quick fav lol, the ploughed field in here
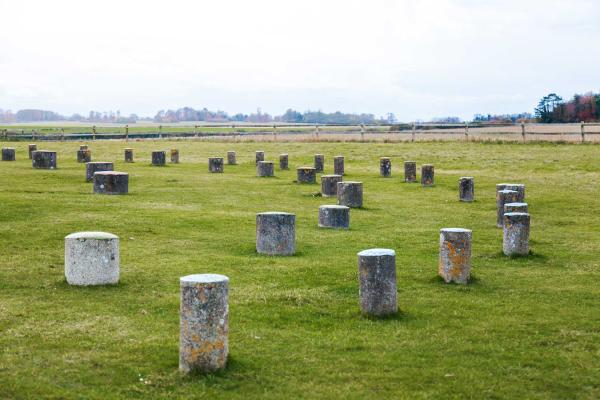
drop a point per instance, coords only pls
(524, 327)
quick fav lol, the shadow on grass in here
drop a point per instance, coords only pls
(250, 251)
(531, 257)
(215, 378)
(62, 284)
(474, 281)
(400, 316)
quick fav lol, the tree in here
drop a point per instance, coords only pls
(548, 108)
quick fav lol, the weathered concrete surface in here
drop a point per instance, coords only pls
(350, 194)
(276, 233)
(8, 154)
(338, 165)
(329, 185)
(410, 171)
(319, 162)
(42, 159)
(306, 175)
(377, 282)
(516, 234)
(503, 197)
(84, 156)
(427, 175)
(265, 169)
(111, 182)
(174, 156)
(159, 158)
(516, 207)
(260, 156)
(83, 147)
(466, 189)
(203, 322)
(284, 162)
(231, 158)
(385, 167)
(91, 258)
(31, 147)
(215, 164)
(455, 255)
(129, 155)
(92, 167)
(518, 187)
(334, 216)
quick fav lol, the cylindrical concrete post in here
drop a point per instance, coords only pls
(260, 156)
(111, 182)
(350, 194)
(410, 171)
(516, 234)
(83, 147)
(128, 155)
(159, 158)
(92, 167)
(338, 165)
(466, 189)
(265, 169)
(8, 154)
(32, 147)
(231, 158)
(377, 282)
(84, 156)
(334, 216)
(516, 207)
(427, 175)
(43, 159)
(283, 162)
(215, 164)
(276, 233)
(519, 187)
(385, 167)
(306, 175)
(91, 258)
(319, 162)
(455, 255)
(203, 322)
(174, 156)
(329, 185)
(503, 197)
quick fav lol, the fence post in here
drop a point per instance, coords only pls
(274, 132)
(160, 131)
(62, 134)
(317, 130)
(467, 131)
(5, 134)
(94, 132)
(582, 132)
(523, 132)
(127, 133)
(414, 132)
(362, 132)
(196, 130)
(33, 135)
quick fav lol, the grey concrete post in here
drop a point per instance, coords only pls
(8, 154)
(338, 165)
(283, 162)
(159, 158)
(231, 158)
(265, 169)
(306, 175)
(385, 167)
(111, 182)
(427, 175)
(319, 162)
(42, 159)
(350, 194)
(466, 189)
(455, 255)
(516, 234)
(215, 164)
(175, 156)
(334, 216)
(32, 147)
(260, 156)
(519, 187)
(377, 282)
(84, 156)
(329, 185)
(516, 207)
(128, 155)
(275, 233)
(92, 167)
(91, 258)
(410, 171)
(503, 197)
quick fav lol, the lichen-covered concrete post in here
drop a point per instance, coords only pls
(516, 207)
(319, 162)
(159, 158)
(410, 171)
(174, 156)
(203, 322)
(32, 147)
(385, 167)
(377, 282)
(84, 156)
(516, 234)
(334, 216)
(91, 258)
(455, 255)
(215, 164)
(306, 175)
(338, 165)
(427, 175)
(83, 147)
(92, 167)
(519, 187)
(42, 159)
(111, 182)
(350, 194)
(260, 156)
(329, 185)
(265, 169)
(466, 189)
(283, 162)
(8, 154)
(231, 158)
(128, 155)
(503, 197)
(276, 233)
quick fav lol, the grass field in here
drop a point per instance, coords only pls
(524, 328)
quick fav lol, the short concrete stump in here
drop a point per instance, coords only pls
(42, 159)
(338, 165)
(410, 171)
(350, 194)
(215, 164)
(516, 207)
(427, 175)
(174, 156)
(334, 216)
(276, 233)
(319, 162)
(516, 234)
(8, 154)
(306, 175)
(231, 158)
(111, 182)
(83, 147)
(283, 162)
(203, 322)
(503, 197)
(31, 147)
(159, 158)
(377, 282)
(128, 155)
(92, 167)
(518, 187)
(329, 185)
(385, 167)
(455, 255)
(91, 258)
(265, 169)
(466, 189)
(84, 156)
(260, 156)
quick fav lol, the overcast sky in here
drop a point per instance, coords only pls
(417, 59)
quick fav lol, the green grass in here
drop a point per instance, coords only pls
(524, 328)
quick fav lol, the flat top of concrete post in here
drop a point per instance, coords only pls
(466, 177)
(384, 158)
(335, 206)
(44, 151)
(231, 151)
(305, 168)
(158, 151)
(338, 157)
(516, 204)
(8, 148)
(331, 176)
(350, 183)
(215, 158)
(202, 278)
(377, 252)
(128, 148)
(318, 154)
(265, 162)
(506, 191)
(427, 165)
(516, 214)
(274, 213)
(283, 154)
(409, 162)
(110, 173)
(260, 151)
(99, 162)
(92, 235)
(456, 230)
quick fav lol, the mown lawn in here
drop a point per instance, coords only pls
(524, 328)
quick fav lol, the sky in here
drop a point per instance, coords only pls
(416, 59)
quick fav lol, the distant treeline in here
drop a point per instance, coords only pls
(581, 108)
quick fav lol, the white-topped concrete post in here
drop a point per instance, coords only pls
(91, 258)
(455, 255)
(276, 233)
(518, 187)
(377, 282)
(515, 240)
(111, 182)
(334, 216)
(503, 197)
(516, 207)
